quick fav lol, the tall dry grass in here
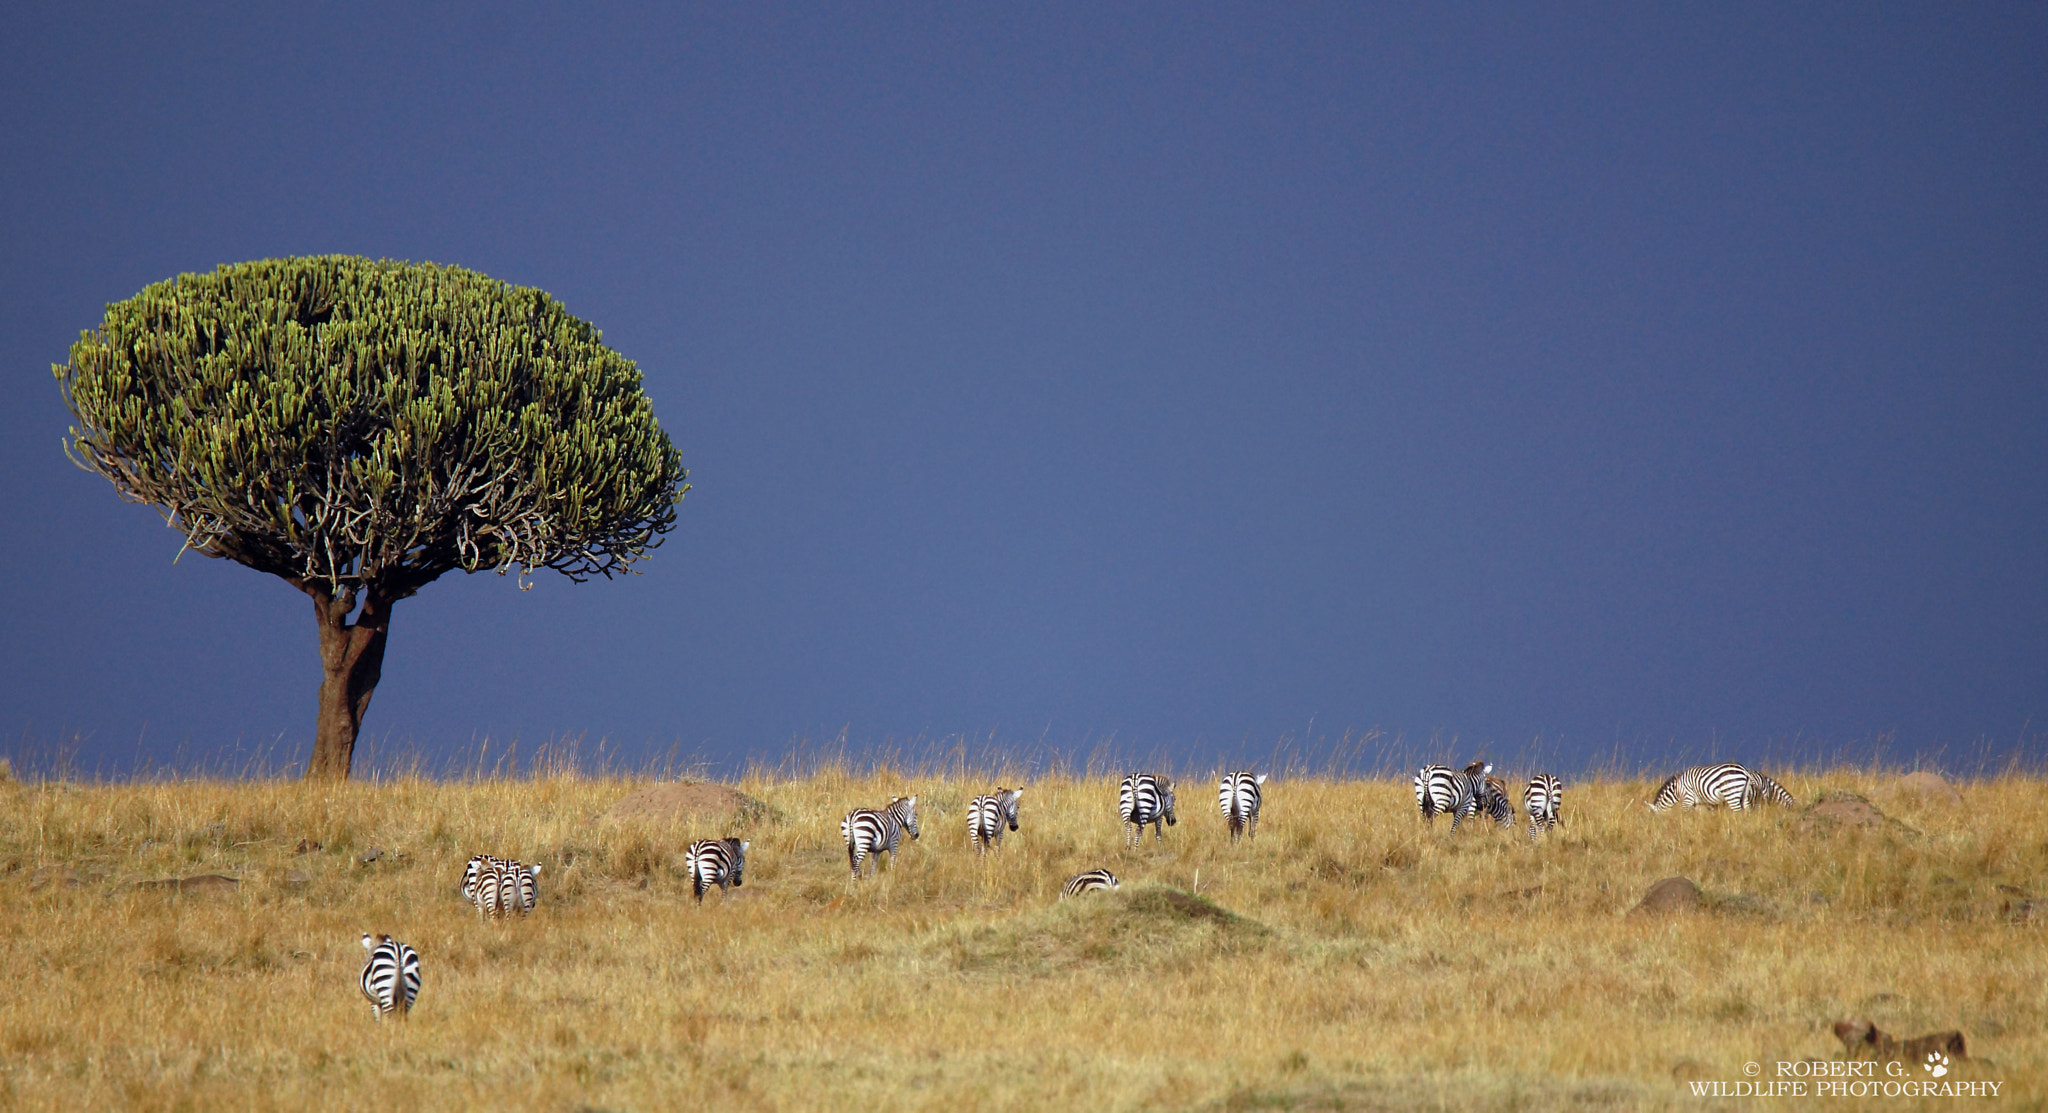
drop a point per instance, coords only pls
(1350, 958)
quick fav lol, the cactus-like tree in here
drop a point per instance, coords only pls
(357, 428)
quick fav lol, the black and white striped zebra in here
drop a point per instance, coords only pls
(391, 976)
(1541, 800)
(1728, 784)
(1494, 801)
(1440, 790)
(1146, 798)
(473, 873)
(525, 888)
(1087, 883)
(878, 831)
(715, 862)
(988, 815)
(1238, 795)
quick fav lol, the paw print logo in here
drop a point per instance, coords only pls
(1937, 1064)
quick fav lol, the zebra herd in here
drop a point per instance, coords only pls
(500, 887)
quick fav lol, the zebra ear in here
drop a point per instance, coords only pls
(369, 944)
(1260, 779)
(745, 845)
(536, 869)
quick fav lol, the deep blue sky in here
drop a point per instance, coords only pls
(1640, 380)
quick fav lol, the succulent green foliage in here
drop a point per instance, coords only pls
(369, 425)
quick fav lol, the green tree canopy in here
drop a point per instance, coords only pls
(358, 428)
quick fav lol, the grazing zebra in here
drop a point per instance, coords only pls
(1493, 800)
(1238, 796)
(1146, 798)
(1725, 784)
(1088, 883)
(1440, 791)
(871, 831)
(391, 977)
(987, 815)
(1541, 800)
(716, 862)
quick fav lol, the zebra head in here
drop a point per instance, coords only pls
(1166, 801)
(904, 808)
(1009, 798)
(739, 861)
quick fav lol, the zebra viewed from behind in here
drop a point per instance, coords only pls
(1088, 882)
(1146, 798)
(473, 874)
(987, 815)
(1541, 800)
(1439, 791)
(716, 862)
(877, 831)
(1238, 796)
(500, 886)
(1727, 784)
(391, 977)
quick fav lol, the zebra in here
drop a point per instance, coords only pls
(716, 862)
(1088, 883)
(1238, 796)
(1146, 798)
(987, 815)
(472, 874)
(391, 977)
(1494, 801)
(876, 831)
(1727, 784)
(1541, 801)
(525, 892)
(1441, 791)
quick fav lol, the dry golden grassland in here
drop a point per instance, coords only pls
(1350, 958)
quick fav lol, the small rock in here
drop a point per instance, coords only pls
(371, 855)
(1673, 894)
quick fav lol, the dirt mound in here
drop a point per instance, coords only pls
(204, 883)
(1847, 811)
(1673, 894)
(689, 800)
(1930, 786)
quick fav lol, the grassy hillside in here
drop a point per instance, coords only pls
(1350, 958)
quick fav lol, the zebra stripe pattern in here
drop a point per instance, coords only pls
(391, 977)
(1238, 796)
(1728, 784)
(878, 831)
(1087, 883)
(716, 862)
(1439, 791)
(987, 815)
(500, 886)
(473, 874)
(1493, 800)
(1146, 798)
(1541, 800)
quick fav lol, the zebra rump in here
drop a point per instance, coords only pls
(987, 815)
(1238, 796)
(1145, 798)
(1087, 883)
(1440, 791)
(877, 831)
(391, 976)
(716, 862)
(1541, 800)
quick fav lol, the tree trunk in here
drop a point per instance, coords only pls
(352, 661)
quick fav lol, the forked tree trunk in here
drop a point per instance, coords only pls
(351, 661)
